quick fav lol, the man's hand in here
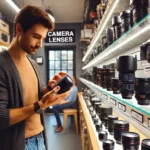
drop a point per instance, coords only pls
(52, 98)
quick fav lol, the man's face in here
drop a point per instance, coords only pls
(31, 40)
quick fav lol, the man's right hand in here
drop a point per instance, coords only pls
(52, 98)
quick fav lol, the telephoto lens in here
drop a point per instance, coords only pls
(126, 22)
(111, 119)
(115, 85)
(116, 23)
(139, 9)
(120, 126)
(109, 35)
(65, 84)
(142, 91)
(102, 135)
(145, 145)
(130, 141)
(108, 145)
(104, 111)
(126, 66)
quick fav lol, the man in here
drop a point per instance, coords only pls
(21, 87)
(68, 102)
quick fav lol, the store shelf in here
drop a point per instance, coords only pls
(114, 7)
(135, 36)
(93, 134)
(140, 115)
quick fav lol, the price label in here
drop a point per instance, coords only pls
(113, 101)
(105, 97)
(149, 122)
(137, 116)
(122, 107)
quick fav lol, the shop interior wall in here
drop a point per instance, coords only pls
(78, 52)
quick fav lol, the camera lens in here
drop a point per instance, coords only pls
(104, 111)
(96, 106)
(139, 9)
(126, 22)
(95, 120)
(110, 121)
(110, 73)
(127, 75)
(65, 84)
(120, 126)
(102, 135)
(145, 144)
(108, 144)
(115, 85)
(142, 91)
(116, 22)
(130, 141)
(109, 35)
(98, 127)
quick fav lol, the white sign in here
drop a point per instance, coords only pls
(122, 107)
(137, 116)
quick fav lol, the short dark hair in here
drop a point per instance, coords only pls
(31, 15)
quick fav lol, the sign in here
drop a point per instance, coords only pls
(61, 36)
(137, 116)
(122, 107)
(149, 122)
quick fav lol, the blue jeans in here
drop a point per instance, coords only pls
(57, 108)
(35, 143)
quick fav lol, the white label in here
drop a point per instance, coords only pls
(137, 116)
(149, 122)
(113, 101)
(122, 107)
(105, 97)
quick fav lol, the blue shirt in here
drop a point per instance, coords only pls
(73, 95)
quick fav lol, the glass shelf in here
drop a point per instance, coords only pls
(138, 34)
(132, 103)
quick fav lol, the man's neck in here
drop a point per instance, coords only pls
(16, 51)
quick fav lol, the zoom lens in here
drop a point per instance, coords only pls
(142, 91)
(102, 135)
(111, 119)
(145, 144)
(120, 126)
(116, 23)
(109, 35)
(115, 85)
(126, 66)
(108, 144)
(126, 22)
(130, 141)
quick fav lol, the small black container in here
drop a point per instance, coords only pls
(142, 91)
(65, 84)
(98, 127)
(95, 120)
(130, 141)
(110, 122)
(115, 85)
(120, 126)
(126, 22)
(108, 144)
(145, 145)
(116, 23)
(102, 135)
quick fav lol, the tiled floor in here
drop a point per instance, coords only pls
(59, 141)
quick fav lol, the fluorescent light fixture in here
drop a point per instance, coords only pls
(13, 5)
(95, 39)
(111, 50)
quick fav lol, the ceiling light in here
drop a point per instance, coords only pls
(12, 4)
(51, 15)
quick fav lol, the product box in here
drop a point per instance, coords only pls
(4, 26)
